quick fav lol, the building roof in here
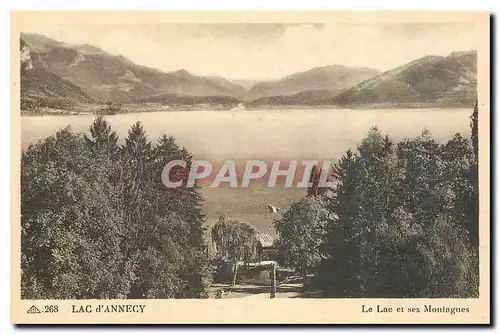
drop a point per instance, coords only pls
(265, 240)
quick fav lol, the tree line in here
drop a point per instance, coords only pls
(402, 221)
(96, 221)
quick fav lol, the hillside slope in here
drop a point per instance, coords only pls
(334, 79)
(42, 88)
(446, 81)
(115, 78)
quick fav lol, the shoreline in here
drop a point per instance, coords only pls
(86, 112)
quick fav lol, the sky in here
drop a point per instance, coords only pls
(265, 51)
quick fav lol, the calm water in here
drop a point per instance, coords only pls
(263, 134)
(275, 134)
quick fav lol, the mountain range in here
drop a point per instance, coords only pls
(450, 80)
(60, 75)
(334, 79)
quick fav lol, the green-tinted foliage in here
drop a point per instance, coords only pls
(97, 221)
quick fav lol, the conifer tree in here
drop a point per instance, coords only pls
(97, 221)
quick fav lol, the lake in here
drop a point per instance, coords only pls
(284, 134)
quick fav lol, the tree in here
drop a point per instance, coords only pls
(234, 240)
(186, 203)
(473, 176)
(101, 136)
(400, 221)
(451, 264)
(97, 221)
(340, 268)
(460, 201)
(71, 235)
(475, 131)
(301, 231)
(432, 260)
(422, 165)
(315, 189)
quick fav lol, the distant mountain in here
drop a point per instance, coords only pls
(58, 74)
(40, 43)
(247, 84)
(107, 77)
(232, 85)
(440, 81)
(42, 88)
(334, 79)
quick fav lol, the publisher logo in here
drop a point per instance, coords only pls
(33, 310)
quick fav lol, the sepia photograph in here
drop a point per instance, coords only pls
(251, 160)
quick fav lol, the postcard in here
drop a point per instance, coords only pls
(250, 168)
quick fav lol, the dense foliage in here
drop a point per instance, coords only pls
(97, 222)
(402, 222)
(301, 230)
(234, 240)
